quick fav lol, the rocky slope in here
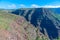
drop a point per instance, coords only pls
(43, 18)
(14, 27)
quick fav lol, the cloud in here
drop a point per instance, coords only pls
(51, 6)
(7, 5)
(35, 6)
(44, 6)
(31, 6)
(55, 4)
(22, 6)
(11, 6)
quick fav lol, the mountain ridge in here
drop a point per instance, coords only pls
(14, 27)
(43, 18)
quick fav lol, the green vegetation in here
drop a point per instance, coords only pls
(57, 16)
(5, 19)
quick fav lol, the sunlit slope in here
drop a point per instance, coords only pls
(56, 12)
(57, 16)
(13, 27)
(5, 19)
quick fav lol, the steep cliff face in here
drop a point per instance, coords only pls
(14, 27)
(42, 18)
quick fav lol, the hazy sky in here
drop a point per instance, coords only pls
(11, 4)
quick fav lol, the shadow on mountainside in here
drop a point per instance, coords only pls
(48, 25)
(50, 28)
